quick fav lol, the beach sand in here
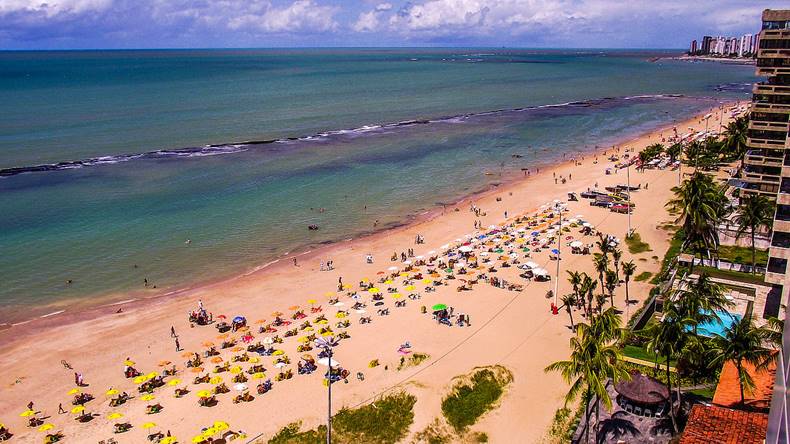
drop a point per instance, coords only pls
(513, 329)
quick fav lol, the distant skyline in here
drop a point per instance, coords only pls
(118, 24)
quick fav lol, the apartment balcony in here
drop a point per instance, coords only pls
(763, 125)
(783, 198)
(762, 107)
(757, 157)
(765, 88)
(774, 278)
(765, 143)
(778, 53)
(770, 71)
(774, 34)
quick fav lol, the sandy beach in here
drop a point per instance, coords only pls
(509, 328)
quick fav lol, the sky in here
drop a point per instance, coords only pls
(126, 24)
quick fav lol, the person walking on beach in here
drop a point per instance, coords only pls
(200, 304)
(173, 332)
(178, 345)
(61, 409)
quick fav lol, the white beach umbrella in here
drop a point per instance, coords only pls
(431, 252)
(280, 365)
(576, 244)
(419, 257)
(392, 268)
(445, 246)
(465, 249)
(540, 271)
(406, 262)
(268, 340)
(531, 264)
(492, 227)
(587, 224)
(240, 386)
(483, 253)
(325, 361)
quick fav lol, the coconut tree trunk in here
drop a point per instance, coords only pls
(587, 416)
(740, 381)
(671, 403)
(570, 315)
(754, 255)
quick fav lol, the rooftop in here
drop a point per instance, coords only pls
(709, 424)
(728, 392)
(776, 14)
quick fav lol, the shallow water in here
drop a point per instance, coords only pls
(122, 174)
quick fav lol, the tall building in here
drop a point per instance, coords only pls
(705, 47)
(745, 46)
(693, 48)
(767, 168)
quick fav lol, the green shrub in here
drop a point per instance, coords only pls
(471, 397)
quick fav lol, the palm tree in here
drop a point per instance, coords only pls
(742, 343)
(702, 300)
(667, 338)
(601, 262)
(629, 268)
(575, 279)
(674, 151)
(595, 357)
(617, 256)
(569, 300)
(604, 244)
(701, 204)
(735, 137)
(611, 285)
(775, 327)
(755, 213)
(588, 285)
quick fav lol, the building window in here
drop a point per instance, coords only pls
(777, 265)
(783, 212)
(781, 239)
(785, 185)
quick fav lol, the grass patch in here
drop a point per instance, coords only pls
(435, 433)
(635, 244)
(742, 255)
(737, 276)
(706, 392)
(386, 420)
(636, 352)
(643, 276)
(472, 396)
(414, 360)
(564, 424)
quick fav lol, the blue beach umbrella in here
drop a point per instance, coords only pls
(239, 319)
(555, 251)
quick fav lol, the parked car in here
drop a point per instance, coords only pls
(620, 208)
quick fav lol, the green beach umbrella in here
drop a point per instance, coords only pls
(439, 307)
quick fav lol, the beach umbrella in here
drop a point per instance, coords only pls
(197, 369)
(531, 264)
(204, 394)
(280, 364)
(147, 397)
(465, 249)
(216, 359)
(388, 281)
(74, 391)
(128, 362)
(254, 360)
(174, 382)
(152, 375)
(326, 362)
(222, 317)
(260, 321)
(27, 413)
(148, 425)
(426, 281)
(374, 290)
(169, 440)
(164, 363)
(208, 344)
(235, 370)
(277, 313)
(411, 288)
(221, 425)
(215, 380)
(576, 244)
(140, 379)
(78, 409)
(329, 294)
(278, 353)
(240, 387)
(111, 392)
(198, 439)
(540, 271)
(397, 295)
(303, 339)
(293, 307)
(392, 268)
(439, 307)
(406, 262)
(239, 319)
(311, 301)
(365, 280)
(210, 431)
(46, 427)
(187, 354)
(223, 336)
(237, 349)
(259, 375)
(555, 251)
(115, 415)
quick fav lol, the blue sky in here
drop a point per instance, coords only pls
(69, 24)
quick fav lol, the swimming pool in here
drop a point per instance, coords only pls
(716, 327)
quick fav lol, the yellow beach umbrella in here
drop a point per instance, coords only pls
(78, 409)
(403, 274)
(388, 281)
(374, 290)
(321, 322)
(258, 375)
(311, 301)
(210, 431)
(411, 288)
(204, 393)
(174, 382)
(426, 281)
(365, 280)
(128, 362)
(46, 427)
(329, 294)
(147, 397)
(215, 380)
(303, 339)
(235, 370)
(169, 440)
(278, 353)
(221, 425)
(111, 392)
(397, 295)
(140, 379)
(148, 425)
(198, 439)
(254, 360)
(74, 391)
(27, 413)
(115, 415)
(309, 329)
(327, 333)
(152, 375)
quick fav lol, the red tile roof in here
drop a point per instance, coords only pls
(712, 424)
(728, 392)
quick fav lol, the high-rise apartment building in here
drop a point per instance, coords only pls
(767, 171)
(705, 47)
(745, 46)
(693, 48)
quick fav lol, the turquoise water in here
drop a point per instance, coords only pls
(718, 327)
(110, 161)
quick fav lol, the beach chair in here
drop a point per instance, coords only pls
(638, 410)
(648, 413)
(629, 408)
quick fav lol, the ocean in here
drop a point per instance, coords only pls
(185, 166)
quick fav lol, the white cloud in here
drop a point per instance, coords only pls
(369, 21)
(53, 8)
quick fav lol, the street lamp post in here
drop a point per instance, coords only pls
(558, 207)
(628, 185)
(326, 344)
